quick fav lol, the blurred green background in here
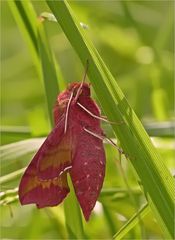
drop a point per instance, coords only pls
(135, 39)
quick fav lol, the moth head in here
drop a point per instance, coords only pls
(84, 91)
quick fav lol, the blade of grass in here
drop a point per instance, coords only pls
(160, 129)
(14, 133)
(155, 177)
(14, 150)
(110, 220)
(9, 200)
(72, 211)
(73, 215)
(8, 193)
(132, 222)
(15, 129)
(11, 176)
(48, 70)
(25, 17)
(115, 194)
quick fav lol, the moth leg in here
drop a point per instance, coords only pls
(103, 137)
(82, 82)
(97, 117)
(67, 112)
(105, 118)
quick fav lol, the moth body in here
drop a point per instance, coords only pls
(68, 149)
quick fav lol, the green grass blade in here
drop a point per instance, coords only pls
(133, 221)
(15, 130)
(74, 223)
(110, 219)
(8, 193)
(17, 153)
(72, 211)
(25, 17)
(18, 149)
(27, 21)
(11, 176)
(155, 177)
(13, 133)
(48, 70)
(161, 129)
(8, 196)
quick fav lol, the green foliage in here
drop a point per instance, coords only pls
(135, 40)
(132, 222)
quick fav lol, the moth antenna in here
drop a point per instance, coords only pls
(97, 117)
(83, 80)
(106, 138)
(67, 112)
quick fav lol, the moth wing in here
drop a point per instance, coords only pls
(44, 181)
(43, 193)
(55, 154)
(88, 170)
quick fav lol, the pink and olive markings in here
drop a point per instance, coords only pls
(68, 148)
(43, 183)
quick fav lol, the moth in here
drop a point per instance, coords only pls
(75, 147)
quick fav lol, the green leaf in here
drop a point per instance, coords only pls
(17, 149)
(110, 219)
(73, 215)
(25, 17)
(13, 153)
(155, 177)
(132, 222)
(48, 70)
(11, 176)
(72, 211)
(9, 196)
